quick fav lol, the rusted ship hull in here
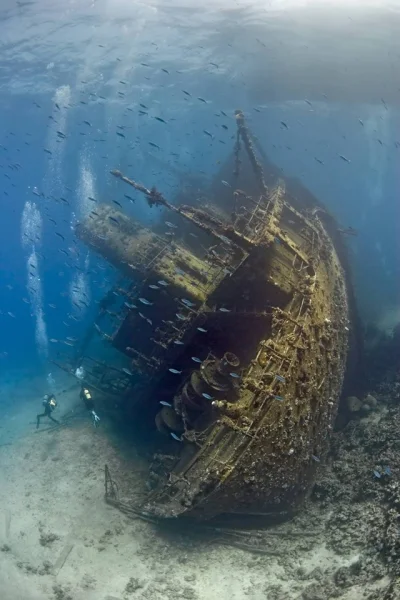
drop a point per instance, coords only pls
(241, 330)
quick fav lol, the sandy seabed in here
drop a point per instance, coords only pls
(59, 540)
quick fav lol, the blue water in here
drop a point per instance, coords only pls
(329, 71)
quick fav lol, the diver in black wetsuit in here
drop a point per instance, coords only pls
(86, 396)
(49, 403)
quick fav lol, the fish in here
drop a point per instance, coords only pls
(162, 282)
(224, 310)
(154, 287)
(387, 471)
(196, 359)
(207, 396)
(117, 203)
(87, 123)
(145, 302)
(208, 133)
(175, 371)
(188, 303)
(377, 474)
(176, 437)
(154, 145)
(160, 119)
(129, 197)
(201, 99)
(234, 375)
(53, 340)
(114, 220)
(165, 71)
(315, 458)
(165, 403)
(169, 224)
(280, 398)
(120, 134)
(280, 378)
(11, 314)
(143, 112)
(344, 158)
(71, 339)
(127, 371)
(130, 305)
(179, 271)
(202, 330)
(284, 125)
(60, 236)
(180, 317)
(225, 183)
(178, 343)
(150, 322)
(52, 306)
(187, 93)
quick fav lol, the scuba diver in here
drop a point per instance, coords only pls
(86, 396)
(49, 403)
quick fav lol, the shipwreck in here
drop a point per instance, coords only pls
(234, 321)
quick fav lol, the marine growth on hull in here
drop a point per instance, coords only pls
(234, 317)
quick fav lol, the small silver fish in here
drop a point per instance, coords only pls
(225, 310)
(202, 330)
(154, 287)
(234, 375)
(175, 371)
(53, 340)
(207, 396)
(180, 317)
(176, 437)
(280, 398)
(130, 305)
(165, 403)
(225, 183)
(315, 458)
(187, 303)
(162, 282)
(150, 322)
(146, 302)
(196, 360)
(171, 225)
(142, 315)
(127, 371)
(178, 343)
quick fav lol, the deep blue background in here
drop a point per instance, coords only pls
(268, 58)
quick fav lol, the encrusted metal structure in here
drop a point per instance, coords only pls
(236, 332)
